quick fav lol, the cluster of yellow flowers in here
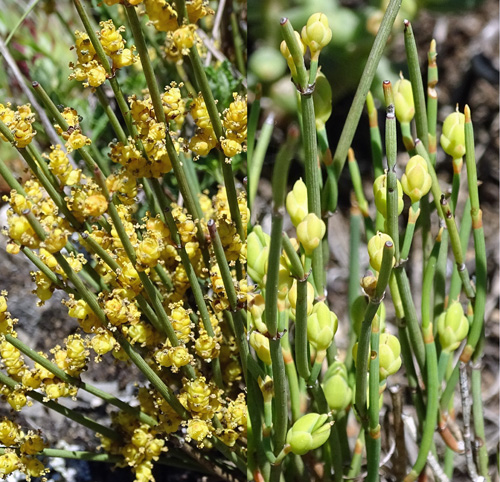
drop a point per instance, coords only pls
(19, 122)
(129, 272)
(21, 450)
(89, 69)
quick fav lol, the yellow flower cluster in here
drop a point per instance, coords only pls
(133, 288)
(204, 139)
(21, 450)
(154, 161)
(19, 122)
(73, 136)
(88, 68)
(235, 125)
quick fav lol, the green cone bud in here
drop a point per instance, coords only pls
(310, 232)
(257, 254)
(321, 326)
(380, 194)
(338, 394)
(452, 326)
(296, 202)
(292, 297)
(403, 100)
(309, 432)
(389, 355)
(416, 180)
(255, 308)
(322, 98)
(453, 135)
(316, 34)
(260, 344)
(284, 281)
(376, 249)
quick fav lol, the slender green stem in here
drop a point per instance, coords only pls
(291, 375)
(364, 85)
(30, 8)
(457, 248)
(391, 185)
(432, 383)
(373, 441)
(110, 113)
(376, 150)
(309, 141)
(253, 121)
(432, 100)
(301, 343)
(412, 324)
(256, 161)
(417, 85)
(353, 287)
(439, 291)
(239, 46)
(364, 338)
(479, 243)
(465, 229)
(407, 138)
(355, 465)
(413, 215)
(357, 185)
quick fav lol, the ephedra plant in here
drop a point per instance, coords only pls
(152, 266)
(316, 412)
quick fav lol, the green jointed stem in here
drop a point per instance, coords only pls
(407, 138)
(353, 287)
(440, 277)
(375, 137)
(357, 456)
(391, 185)
(301, 342)
(373, 440)
(256, 161)
(431, 365)
(239, 47)
(465, 229)
(413, 214)
(309, 141)
(364, 85)
(457, 248)
(291, 375)
(357, 184)
(364, 337)
(432, 100)
(253, 121)
(417, 85)
(411, 319)
(479, 243)
(67, 412)
(110, 113)
(21, 20)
